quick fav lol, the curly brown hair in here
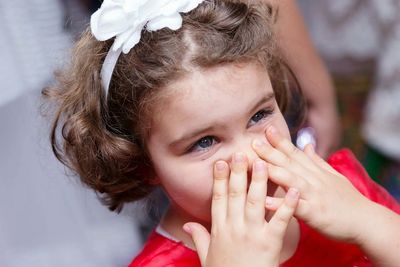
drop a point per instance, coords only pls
(104, 140)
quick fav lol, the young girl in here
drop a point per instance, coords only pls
(199, 93)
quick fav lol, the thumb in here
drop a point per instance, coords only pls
(200, 237)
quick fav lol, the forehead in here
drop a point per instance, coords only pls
(212, 94)
(215, 92)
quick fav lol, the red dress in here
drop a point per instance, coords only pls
(313, 248)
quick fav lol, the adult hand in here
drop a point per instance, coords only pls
(324, 119)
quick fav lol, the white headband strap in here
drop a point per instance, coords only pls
(125, 20)
(108, 68)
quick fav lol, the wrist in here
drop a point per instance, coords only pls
(379, 237)
(373, 218)
(365, 221)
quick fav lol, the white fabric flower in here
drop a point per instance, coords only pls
(125, 19)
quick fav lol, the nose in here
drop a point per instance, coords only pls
(245, 147)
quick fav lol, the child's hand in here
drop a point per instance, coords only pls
(329, 202)
(240, 235)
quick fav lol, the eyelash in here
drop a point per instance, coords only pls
(196, 146)
(265, 112)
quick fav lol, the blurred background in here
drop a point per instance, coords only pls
(359, 40)
(48, 219)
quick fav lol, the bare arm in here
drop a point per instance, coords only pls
(379, 235)
(311, 73)
(330, 204)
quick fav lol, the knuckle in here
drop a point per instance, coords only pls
(282, 219)
(290, 159)
(239, 169)
(280, 224)
(235, 193)
(281, 174)
(218, 195)
(305, 211)
(214, 232)
(280, 142)
(303, 184)
(220, 177)
(253, 201)
(264, 152)
(258, 180)
(293, 149)
(259, 176)
(285, 160)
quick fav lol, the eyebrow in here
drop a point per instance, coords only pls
(267, 98)
(191, 135)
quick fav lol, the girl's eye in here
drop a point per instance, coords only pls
(203, 144)
(260, 115)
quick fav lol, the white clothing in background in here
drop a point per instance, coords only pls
(349, 33)
(46, 218)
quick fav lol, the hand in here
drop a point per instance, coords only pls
(329, 203)
(240, 235)
(325, 122)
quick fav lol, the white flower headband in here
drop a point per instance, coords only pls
(125, 20)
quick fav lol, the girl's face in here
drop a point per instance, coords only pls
(208, 116)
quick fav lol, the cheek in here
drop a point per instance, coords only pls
(280, 124)
(188, 185)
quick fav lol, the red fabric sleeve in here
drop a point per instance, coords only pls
(313, 249)
(163, 252)
(346, 163)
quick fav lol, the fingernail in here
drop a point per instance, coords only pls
(220, 165)
(187, 228)
(272, 130)
(259, 165)
(238, 157)
(293, 193)
(258, 143)
(269, 201)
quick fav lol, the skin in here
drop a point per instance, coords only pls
(238, 219)
(246, 121)
(238, 116)
(329, 203)
(187, 175)
(312, 74)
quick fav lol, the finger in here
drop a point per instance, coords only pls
(237, 187)
(310, 152)
(273, 203)
(277, 158)
(269, 153)
(323, 150)
(284, 145)
(255, 203)
(286, 178)
(201, 239)
(279, 222)
(219, 201)
(302, 208)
